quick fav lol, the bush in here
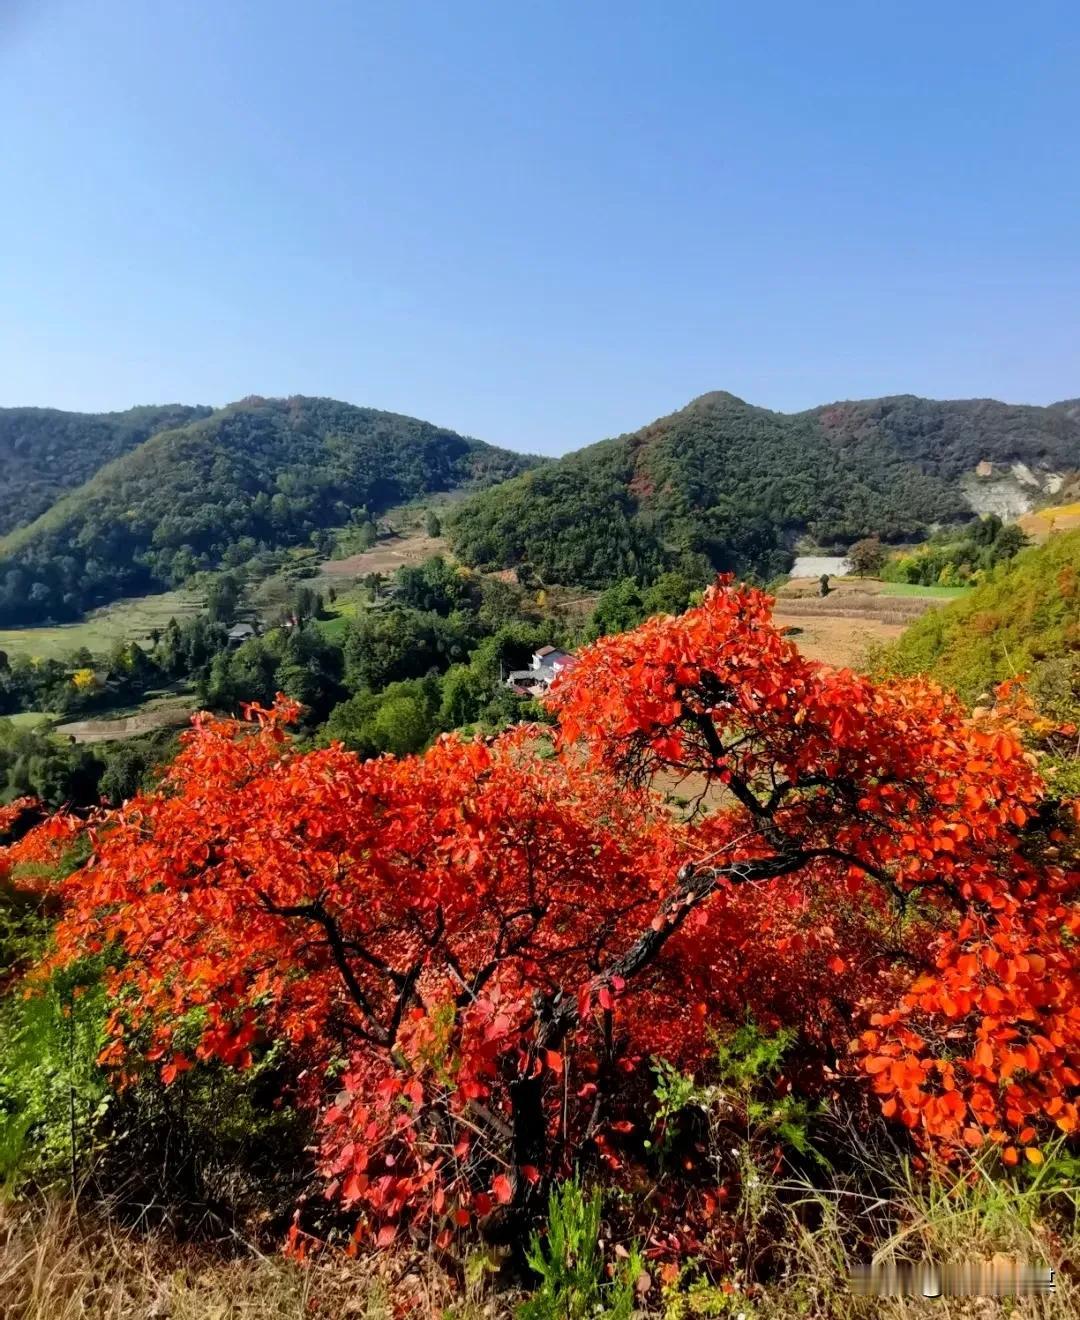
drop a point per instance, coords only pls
(570, 1263)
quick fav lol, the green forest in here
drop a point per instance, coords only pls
(45, 452)
(733, 487)
(260, 473)
(1023, 619)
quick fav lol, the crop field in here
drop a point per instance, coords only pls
(857, 616)
(412, 547)
(29, 719)
(920, 592)
(165, 711)
(132, 619)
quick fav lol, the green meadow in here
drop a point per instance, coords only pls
(132, 619)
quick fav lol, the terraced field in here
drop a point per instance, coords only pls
(132, 619)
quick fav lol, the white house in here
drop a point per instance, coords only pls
(545, 667)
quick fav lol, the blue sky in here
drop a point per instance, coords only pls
(538, 223)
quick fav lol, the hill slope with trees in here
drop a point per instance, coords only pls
(725, 485)
(45, 452)
(262, 472)
(1026, 615)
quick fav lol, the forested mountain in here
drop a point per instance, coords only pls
(725, 485)
(259, 472)
(45, 452)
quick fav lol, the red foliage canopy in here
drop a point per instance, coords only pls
(471, 951)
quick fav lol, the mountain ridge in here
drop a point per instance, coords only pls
(256, 473)
(45, 452)
(724, 484)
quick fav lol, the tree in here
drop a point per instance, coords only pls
(619, 608)
(867, 557)
(222, 598)
(444, 941)
(432, 525)
(1009, 541)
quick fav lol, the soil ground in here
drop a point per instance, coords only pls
(858, 615)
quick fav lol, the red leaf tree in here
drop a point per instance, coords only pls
(471, 951)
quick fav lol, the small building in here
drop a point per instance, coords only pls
(546, 666)
(240, 633)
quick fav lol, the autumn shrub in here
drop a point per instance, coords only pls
(469, 958)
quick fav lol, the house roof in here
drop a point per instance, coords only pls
(242, 630)
(546, 650)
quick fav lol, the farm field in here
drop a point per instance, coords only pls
(838, 640)
(858, 615)
(412, 547)
(167, 711)
(132, 619)
(29, 719)
(920, 592)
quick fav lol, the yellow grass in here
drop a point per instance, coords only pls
(1045, 522)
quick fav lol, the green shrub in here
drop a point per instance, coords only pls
(570, 1264)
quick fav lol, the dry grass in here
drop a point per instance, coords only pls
(842, 641)
(1064, 518)
(934, 1220)
(386, 557)
(55, 1267)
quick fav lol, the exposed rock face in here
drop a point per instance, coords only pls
(1011, 491)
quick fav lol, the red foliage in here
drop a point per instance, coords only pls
(471, 952)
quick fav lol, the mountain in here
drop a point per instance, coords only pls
(725, 485)
(45, 452)
(1026, 613)
(260, 472)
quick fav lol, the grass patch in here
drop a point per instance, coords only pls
(132, 619)
(341, 611)
(916, 589)
(334, 629)
(30, 719)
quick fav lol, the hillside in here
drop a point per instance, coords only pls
(733, 486)
(45, 452)
(1028, 611)
(262, 472)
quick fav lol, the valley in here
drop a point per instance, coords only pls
(415, 687)
(539, 661)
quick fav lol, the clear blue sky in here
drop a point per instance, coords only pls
(538, 222)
